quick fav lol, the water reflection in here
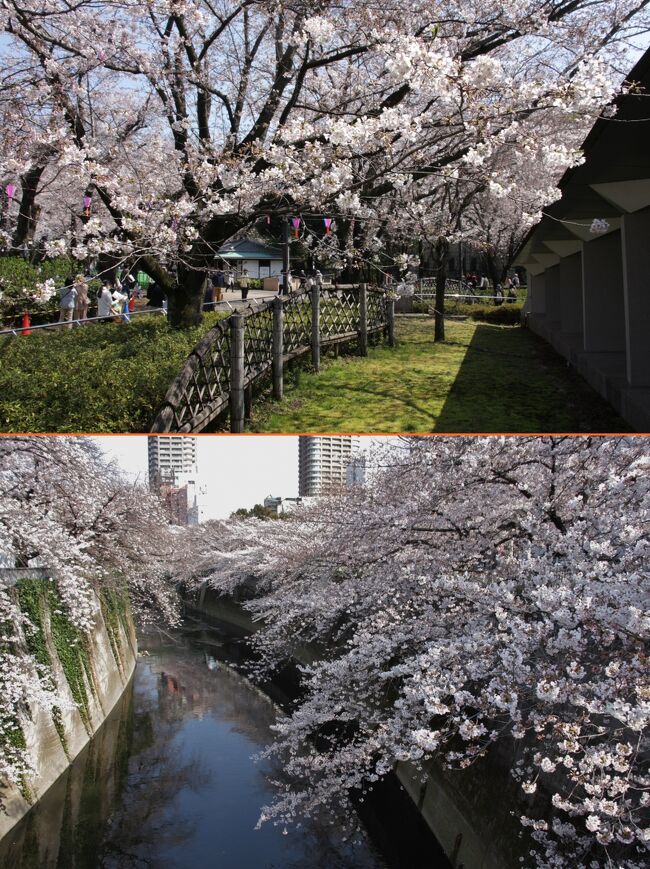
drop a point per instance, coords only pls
(168, 782)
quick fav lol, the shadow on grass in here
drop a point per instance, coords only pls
(512, 381)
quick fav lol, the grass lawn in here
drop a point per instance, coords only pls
(484, 378)
(97, 378)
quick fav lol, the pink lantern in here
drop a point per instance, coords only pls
(11, 189)
(328, 223)
(87, 203)
(268, 219)
(296, 226)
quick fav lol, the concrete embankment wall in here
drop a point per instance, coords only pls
(468, 811)
(91, 674)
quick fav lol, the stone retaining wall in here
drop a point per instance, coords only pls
(110, 657)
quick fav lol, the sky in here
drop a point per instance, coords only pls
(237, 471)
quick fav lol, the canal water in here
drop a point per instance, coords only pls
(169, 781)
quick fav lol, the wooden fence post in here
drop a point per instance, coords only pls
(315, 327)
(363, 319)
(278, 348)
(248, 402)
(236, 373)
(390, 315)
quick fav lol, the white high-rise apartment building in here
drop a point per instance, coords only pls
(172, 463)
(171, 457)
(323, 461)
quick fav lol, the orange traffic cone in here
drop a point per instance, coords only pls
(26, 324)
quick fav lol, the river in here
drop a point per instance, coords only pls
(169, 781)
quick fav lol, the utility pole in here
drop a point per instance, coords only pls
(285, 256)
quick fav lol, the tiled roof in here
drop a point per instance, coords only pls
(246, 248)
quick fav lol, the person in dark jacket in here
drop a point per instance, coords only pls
(155, 295)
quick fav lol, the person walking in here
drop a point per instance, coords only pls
(244, 284)
(68, 296)
(81, 301)
(208, 295)
(219, 283)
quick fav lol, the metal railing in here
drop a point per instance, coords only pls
(219, 374)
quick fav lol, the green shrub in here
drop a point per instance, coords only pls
(507, 314)
(97, 378)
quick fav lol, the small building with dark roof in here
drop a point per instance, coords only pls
(587, 259)
(260, 260)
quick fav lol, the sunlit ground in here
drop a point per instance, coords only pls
(484, 378)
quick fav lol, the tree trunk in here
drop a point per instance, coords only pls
(185, 300)
(29, 211)
(493, 268)
(441, 253)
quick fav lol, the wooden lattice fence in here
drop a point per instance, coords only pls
(220, 372)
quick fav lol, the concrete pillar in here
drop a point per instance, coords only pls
(571, 314)
(602, 295)
(552, 287)
(636, 293)
(536, 294)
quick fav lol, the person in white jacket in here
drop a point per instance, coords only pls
(104, 302)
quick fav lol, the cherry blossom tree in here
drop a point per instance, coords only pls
(64, 509)
(479, 591)
(345, 110)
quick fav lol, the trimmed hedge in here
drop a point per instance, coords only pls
(96, 378)
(506, 314)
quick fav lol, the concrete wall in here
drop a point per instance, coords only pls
(111, 674)
(594, 309)
(253, 268)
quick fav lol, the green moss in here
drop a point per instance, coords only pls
(57, 720)
(115, 610)
(35, 598)
(31, 600)
(25, 790)
(72, 652)
(14, 734)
